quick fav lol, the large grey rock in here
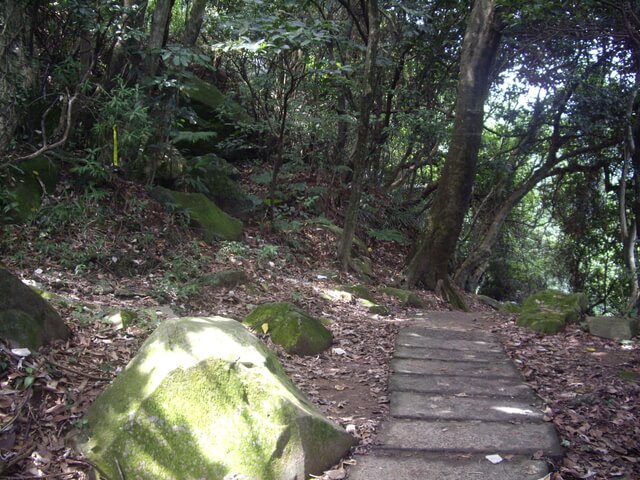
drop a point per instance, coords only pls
(26, 319)
(204, 398)
(615, 328)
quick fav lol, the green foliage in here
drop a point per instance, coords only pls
(387, 235)
(231, 250)
(125, 108)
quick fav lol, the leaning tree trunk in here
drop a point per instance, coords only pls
(360, 153)
(430, 259)
(16, 72)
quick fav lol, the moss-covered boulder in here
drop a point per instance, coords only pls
(358, 291)
(29, 181)
(510, 307)
(26, 319)
(204, 398)
(614, 328)
(491, 302)
(224, 279)
(549, 311)
(406, 297)
(209, 220)
(121, 318)
(290, 327)
(217, 118)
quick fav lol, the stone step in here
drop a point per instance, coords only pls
(468, 369)
(451, 385)
(415, 340)
(402, 351)
(469, 437)
(444, 334)
(452, 467)
(452, 320)
(438, 407)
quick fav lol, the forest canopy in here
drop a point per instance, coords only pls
(497, 139)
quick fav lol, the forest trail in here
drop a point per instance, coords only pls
(455, 399)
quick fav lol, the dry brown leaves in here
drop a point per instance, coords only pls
(43, 397)
(592, 390)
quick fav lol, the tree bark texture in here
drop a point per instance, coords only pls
(133, 19)
(159, 24)
(430, 259)
(16, 72)
(194, 22)
(360, 153)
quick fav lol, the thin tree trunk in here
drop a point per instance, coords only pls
(628, 230)
(429, 263)
(157, 36)
(16, 71)
(360, 153)
(133, 19)
(194, 22)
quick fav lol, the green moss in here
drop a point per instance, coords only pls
(182, 409)
(224, 278)
(20, 329)
(212, 223)
(290, 327)
(549, 311)
(378, 310)
(32, 176)
(122, 318)
(510, 307)
(358, 291)
(407, 298)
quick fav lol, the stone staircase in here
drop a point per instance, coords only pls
(455, 399)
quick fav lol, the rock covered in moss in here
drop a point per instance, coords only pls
(549, 311)
(224, 279)
(406, 297)
(614, 328)
(26, 319)
(30, 180)
(204, 398)
(358, 291)
(209, 220)
(290, 327)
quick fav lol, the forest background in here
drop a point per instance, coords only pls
(506, 163)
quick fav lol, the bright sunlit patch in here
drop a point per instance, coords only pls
(514, 410)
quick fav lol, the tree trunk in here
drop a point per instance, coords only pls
(16, 72)
(628, 229)
(194, 22)
(429, 263)
(360, 153)
(159, 25)
(133, 19)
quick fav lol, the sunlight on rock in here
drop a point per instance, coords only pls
(514, 410)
